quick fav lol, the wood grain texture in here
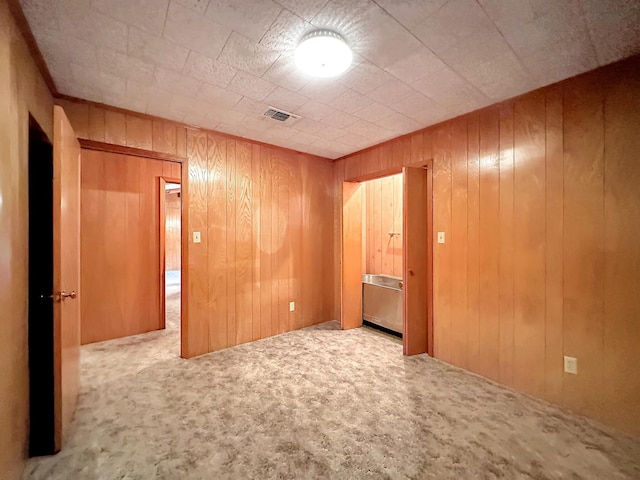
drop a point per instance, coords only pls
(217, 251)
(351, 256)
(529, 244)
(505, 220)
(583, 241)
(622, 252)
(554, 199)
(442, 251)
(551, 240)
(66, 275)
(136, 152)
(416, 262)
(23, 93)
(489, 243)
(458, 241)
(121, 245)
(473, 246)
(382, 213)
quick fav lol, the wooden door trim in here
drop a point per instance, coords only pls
(349, 316)
(131, 151)
(163, 180)
(66, 358)
(184, 265)
(429, 169)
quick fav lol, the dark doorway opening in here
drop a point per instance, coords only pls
(41, 386)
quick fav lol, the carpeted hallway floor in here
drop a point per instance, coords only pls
(315, 403)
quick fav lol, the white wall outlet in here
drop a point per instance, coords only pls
(196, 237)
(292, 306)
(571, 365)
(440, 237)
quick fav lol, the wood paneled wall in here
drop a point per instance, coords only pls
(172, 231)
(114, 126)
(22, 92)
(266, 222)
(120, 244)
(540, 203)
(266, 240)
(382, 216)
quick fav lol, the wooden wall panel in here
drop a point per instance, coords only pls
(217, 251)
(396, 243)
(583, 254)
(119, 245)
(382, 214)
(442, 251)
(551, 249)
(554, 200)
(622, 255)
(243, 241)
(458, 241)
(489, 243)
(505, 220)
(23, 92)
(197, 177)
(529, 244)
(473, 247)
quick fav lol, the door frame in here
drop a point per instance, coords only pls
(163, 180)
(184, 223)
(349, 294)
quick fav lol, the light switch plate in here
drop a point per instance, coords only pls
(292, 306)
(440, 237)
(196, 237)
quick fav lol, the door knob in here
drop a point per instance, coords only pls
(64, 294)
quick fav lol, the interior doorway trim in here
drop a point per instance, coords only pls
(351, 291)
(131, 151)
(163, 254)
(184, 210)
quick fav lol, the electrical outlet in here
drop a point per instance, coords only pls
(440, 237)
(196, 237)
(571, 365)
(292, 306)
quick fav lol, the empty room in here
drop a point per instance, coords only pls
(291, 239)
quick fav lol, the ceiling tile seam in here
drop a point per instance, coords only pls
(594, 50)
(520, 62)
(312, 20)
(166, 16)
(431, 51)
(275, 19)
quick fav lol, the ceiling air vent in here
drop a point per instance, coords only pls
(279, 115)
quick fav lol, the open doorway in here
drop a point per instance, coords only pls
(123, 254)
(416, 280)
(171, 250)
(41, 381)
(382, 254)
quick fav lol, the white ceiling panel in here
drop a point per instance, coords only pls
(250, 18)
(206, 69)
(221, 63)
(247, 55)
(147, 15)
(251, 86)
(190, 29)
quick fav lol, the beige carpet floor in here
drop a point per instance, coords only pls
(315, 403)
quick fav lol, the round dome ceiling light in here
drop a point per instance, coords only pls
(323, 53)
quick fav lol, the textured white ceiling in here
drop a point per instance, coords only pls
(220, 64)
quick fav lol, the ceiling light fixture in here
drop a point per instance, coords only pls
(323, 53)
